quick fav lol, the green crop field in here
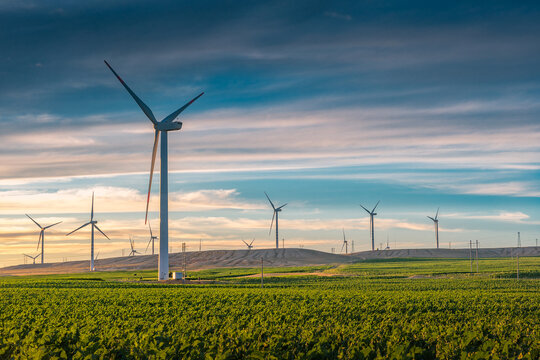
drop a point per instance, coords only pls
(395, 309)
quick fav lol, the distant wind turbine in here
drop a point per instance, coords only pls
(250, 246)
(436, 223)
(132, 244)
(345, 244)
(33, 258)
(275, 215)
(372, 213)
(152, 238)
(41, 236)
(93, 223)
(163, 126)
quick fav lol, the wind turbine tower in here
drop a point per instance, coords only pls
(372, 213)
(32, 257)
(41, 236)
(132, 244)
(152, 239)
(94, 226)
(250, 245)
(275, 215)
(436, 223)
(345, 244)
(168, 123)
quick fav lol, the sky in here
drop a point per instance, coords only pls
(325, 105)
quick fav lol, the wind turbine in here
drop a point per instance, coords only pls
(436, 223)
(250, 246)
(132, 244)
(275, 215)
(41, 236)
(345, 244)
(152, 238)
(164, 126)
(33, 258)
(372, 213)
(93, 223)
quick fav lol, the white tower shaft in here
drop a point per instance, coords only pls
(164, 212)
(92, 249)
(277, 236)
(42, 247)
(372, 229)
(437, 232)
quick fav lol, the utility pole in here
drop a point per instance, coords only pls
(262, 273)
(477, 256)
(519, 240)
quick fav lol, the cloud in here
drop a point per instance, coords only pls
(504, 216)
(110, 199)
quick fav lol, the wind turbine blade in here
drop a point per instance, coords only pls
(154, 151)
(150, 226)
(35, 222)
(146, 110)
(102, 233)
(376, 206)
(342, 246)
(369, 212)
(271, 203)
(46, 227)
(282, 206)
(80, 227)
(437, 214)
(92, 211)
(245, 243)
(149, 241)
(251, 242)
(431, 218)
(39, 240)
(175, 114)
(344, 236)
(272, 223)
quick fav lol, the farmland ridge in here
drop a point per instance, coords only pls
(197, 260)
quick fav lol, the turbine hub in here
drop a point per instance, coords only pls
(168, 126)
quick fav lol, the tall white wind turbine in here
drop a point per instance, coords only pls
(372, 213)
(41, 236)
(345, 244)
(169, 123)
(93, 223)
(132, 244)
(250, 245)
(32, 257)
(152, 239)
(436, 223)
(275, 215)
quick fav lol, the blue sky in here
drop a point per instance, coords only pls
(325, 105)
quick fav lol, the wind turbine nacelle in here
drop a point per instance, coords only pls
(374, 214)
(168, 126)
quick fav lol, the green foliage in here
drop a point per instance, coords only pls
(379, 316)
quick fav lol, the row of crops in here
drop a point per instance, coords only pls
(293, 318)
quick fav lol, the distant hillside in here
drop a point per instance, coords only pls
(252, 258)
(446, 253)
(195, 260)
